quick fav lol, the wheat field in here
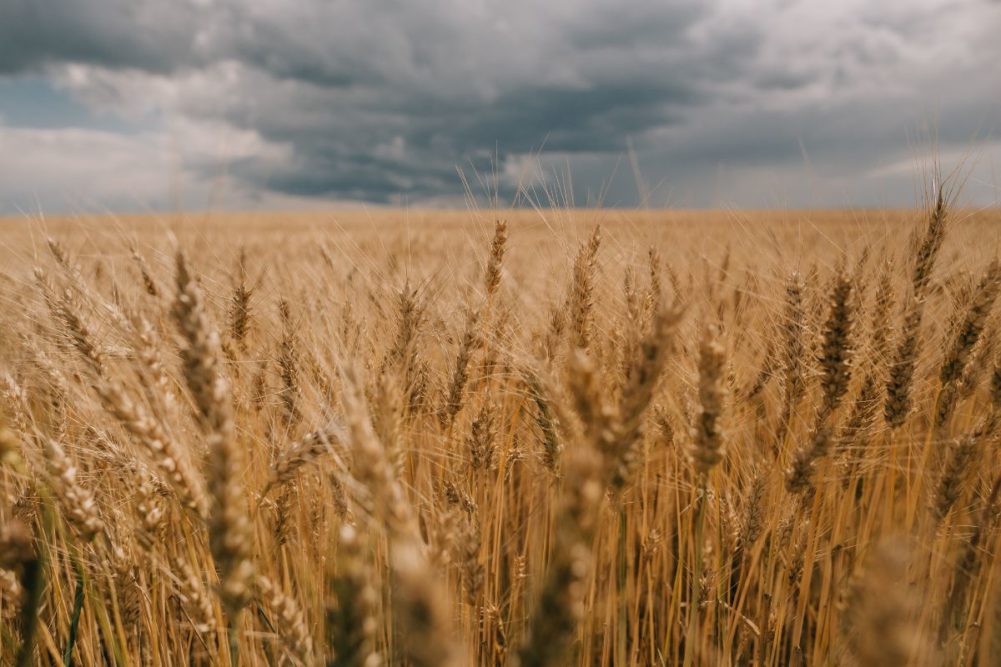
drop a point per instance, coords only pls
(549, 437)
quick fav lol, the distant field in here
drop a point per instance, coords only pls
(501, 437)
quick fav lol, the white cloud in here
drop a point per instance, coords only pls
(77, 170)
(81, 169)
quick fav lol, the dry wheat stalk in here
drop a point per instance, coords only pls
(240, 309)
(149, 283)
(961, 464)
(229, 526)
(553, 624)
(76, 502)
(481, 440)
(965, 338)
(643, 377)
(351, 615)
(707, 436)
(926, 251)
(419, 605)
(580, 301)
(470, 342)
(495, 264)
(545, 419)
(836, 347)
(194, 597)
(292, 624)
(793, 331)
(899, 386)
(301, 453)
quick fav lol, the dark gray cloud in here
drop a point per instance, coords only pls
(149, 35)
(377, 100)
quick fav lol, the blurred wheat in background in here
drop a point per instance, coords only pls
(522, 438)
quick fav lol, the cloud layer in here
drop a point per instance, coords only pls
(729, 102)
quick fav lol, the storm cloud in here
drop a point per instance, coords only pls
(730, 102)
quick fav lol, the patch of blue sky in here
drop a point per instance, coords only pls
(34, 102)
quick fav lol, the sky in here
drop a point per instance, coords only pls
(145, 105)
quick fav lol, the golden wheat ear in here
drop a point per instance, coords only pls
(229, 526)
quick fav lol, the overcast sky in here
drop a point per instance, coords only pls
(152, 105)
